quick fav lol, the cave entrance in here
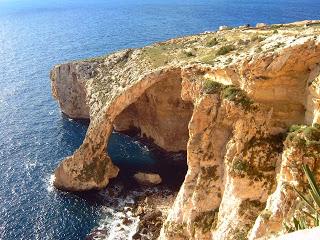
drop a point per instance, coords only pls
(151, 134)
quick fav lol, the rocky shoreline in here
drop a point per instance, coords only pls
(142, 210)
(243, 103)
(152, 211)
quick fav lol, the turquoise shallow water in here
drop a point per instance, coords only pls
(34, 136)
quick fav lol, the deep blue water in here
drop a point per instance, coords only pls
(35, 137)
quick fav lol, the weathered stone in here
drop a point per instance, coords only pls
(147, 178)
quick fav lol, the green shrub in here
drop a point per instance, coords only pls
(294, 128)
(311, 217)
(237, 95)
(230, 92)
(224, 50)
(259, 50)
(279, 44)
(276, 26)
(189, 54)
(243, 42)
(304, 137)
(206, 221)
(316, 125)
(266, 214)
(212, 42)
(240, 166)
(212, 87)
(256, 38)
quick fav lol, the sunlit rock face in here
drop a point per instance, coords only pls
(228, 98)
(161, 115)
(68, 88)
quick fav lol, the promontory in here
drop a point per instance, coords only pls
(244, 103)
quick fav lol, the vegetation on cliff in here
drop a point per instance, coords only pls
(229, 92)
(306, 138)
(308, 215)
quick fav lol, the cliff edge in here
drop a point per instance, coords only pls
(228, 98)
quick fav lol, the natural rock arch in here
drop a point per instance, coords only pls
(284, 81)
(90, 167)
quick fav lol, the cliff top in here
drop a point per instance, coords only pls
(256, 53)
(224, 47)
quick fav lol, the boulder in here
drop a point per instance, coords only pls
(147, 178)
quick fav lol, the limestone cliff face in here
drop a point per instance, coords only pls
(160, 114)
(226, 97)
(68, 88)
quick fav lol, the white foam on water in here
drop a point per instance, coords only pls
(118, 225)
(49, 182)
(119, 222)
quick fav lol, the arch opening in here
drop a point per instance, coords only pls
(151, 134)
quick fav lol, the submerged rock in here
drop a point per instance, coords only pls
(147, 178)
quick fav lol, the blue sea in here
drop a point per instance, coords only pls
(35, 136)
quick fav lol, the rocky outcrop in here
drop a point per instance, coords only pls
(68, 88)
(147, 178)
(228, 98)
(301, 147)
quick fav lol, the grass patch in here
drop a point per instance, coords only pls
(277, 26)
(174, 230)
(209, 58)
(256, 38)
(259, 50)
(156, 55)
(307, 215)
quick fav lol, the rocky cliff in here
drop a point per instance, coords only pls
(228, 98)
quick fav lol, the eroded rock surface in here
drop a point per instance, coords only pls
(147, 179)
(228, 98)
(160, 114)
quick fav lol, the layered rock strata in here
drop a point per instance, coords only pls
(228, 98)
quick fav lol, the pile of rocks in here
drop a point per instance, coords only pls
(152, 211)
